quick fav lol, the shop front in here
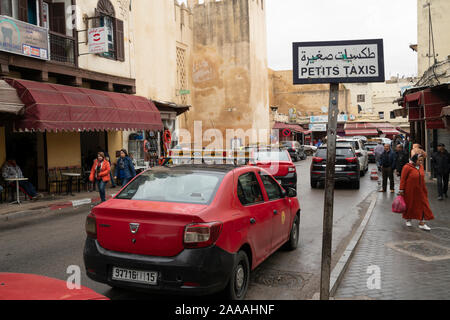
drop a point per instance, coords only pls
(64, 127)
(426, 107)
(288, 132)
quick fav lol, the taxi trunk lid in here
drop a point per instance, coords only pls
(144, 227)
(277, 169)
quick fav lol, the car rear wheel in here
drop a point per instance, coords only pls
(240, 277)
(362, 173)
(292, 243)
(356, 185)
(313, 184)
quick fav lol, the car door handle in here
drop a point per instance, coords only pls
(275, 212)
(252, 221)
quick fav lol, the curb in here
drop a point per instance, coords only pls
(77, 203)
(52, 207)
(339, 270)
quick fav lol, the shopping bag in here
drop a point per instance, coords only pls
(399, 205)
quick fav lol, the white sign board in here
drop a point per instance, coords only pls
(318, 127)
(338, 61)
(324, 119)
(98, 40)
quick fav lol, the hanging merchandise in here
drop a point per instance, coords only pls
(167, 140)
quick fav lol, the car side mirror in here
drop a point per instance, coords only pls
(291, 193)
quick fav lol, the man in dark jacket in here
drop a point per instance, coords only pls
(401, 159)
(440, 161)
(387, 164)
(124, 168)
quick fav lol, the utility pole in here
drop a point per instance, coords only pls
(329, 193)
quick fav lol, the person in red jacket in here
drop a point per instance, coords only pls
(100, 174)
(414, 190)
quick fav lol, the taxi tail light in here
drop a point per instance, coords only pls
(91, 226)
(317, 160)
(352, 160)
(201, 235)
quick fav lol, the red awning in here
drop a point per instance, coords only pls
(361, 132)
(390, 132)
(292, 127)
(53, 107)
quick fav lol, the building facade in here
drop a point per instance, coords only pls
(58, 54)
(426, 103)
(228, 69)
(375, 102)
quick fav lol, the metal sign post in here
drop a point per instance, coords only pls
(335, 62)
(327, 234)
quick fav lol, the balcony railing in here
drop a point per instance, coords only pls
(62, 48)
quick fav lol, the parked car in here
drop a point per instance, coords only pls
(370, 147)
(191, 229)
(279, 164)
(21, 286)
(309, 150)
(346, 165)
(361, 152)
(295, 149)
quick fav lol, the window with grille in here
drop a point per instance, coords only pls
(361, 98)
(181, 74)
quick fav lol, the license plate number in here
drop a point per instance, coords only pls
(339, 169)
(146, 277)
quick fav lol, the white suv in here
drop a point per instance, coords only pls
(361, 152)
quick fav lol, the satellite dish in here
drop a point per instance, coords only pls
(324, 109)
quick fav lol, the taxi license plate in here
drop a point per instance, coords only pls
(146, 277)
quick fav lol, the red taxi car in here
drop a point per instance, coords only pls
(278, 163)
(190, 229)
(21, 286)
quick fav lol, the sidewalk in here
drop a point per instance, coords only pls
(413, 264)
(54, 202)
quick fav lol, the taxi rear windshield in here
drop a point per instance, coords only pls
(340, 152)
(173, 186)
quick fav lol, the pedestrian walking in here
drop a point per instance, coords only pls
(124, 168)
(414, 190)
(387, 164)
(108, 158)
(417, 149)
(378, 151)
(440, 161)
(100, 174)
(401, 159)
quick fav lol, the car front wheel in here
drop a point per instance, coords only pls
(240, 277)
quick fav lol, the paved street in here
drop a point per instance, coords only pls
(413, 264)
(49, 247)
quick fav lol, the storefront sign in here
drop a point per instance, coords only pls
(338, 61)
(23, 38)
(184, 92)
(324, 118)
(318, 127)
(98, 40)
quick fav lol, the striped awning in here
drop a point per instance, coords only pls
(10, 102)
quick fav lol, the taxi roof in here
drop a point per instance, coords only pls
(202, 167)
